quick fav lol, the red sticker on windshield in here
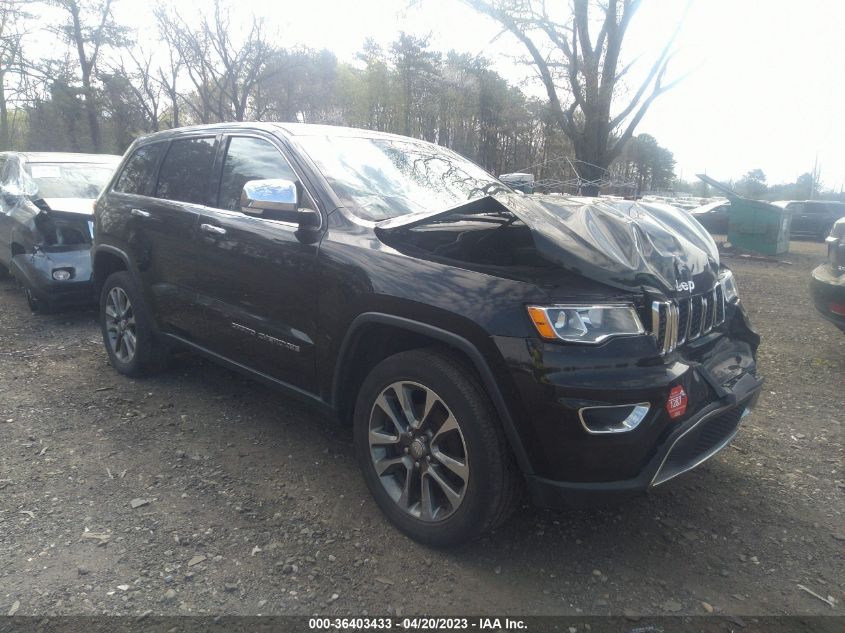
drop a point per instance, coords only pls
(676, 405)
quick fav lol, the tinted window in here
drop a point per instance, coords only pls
(139, 173)
(184, 172)
(249, 159)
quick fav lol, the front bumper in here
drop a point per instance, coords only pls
(827, 287)
(699, 439)
(35, 271)
(553, 384)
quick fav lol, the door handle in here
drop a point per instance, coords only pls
(214, 230)
(140, 213)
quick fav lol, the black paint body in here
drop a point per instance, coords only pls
(814, 218)
(312, 310)
(827, 281)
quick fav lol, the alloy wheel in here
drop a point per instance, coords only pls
(120, 325)
(418, 451)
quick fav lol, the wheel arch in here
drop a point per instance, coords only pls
(107, 260)
(355, 360)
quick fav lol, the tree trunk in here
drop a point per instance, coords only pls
(589, 172)
(91, 110)
(5, 137)
(87, 66)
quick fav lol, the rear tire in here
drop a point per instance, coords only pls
(133, 346)
(432, 449)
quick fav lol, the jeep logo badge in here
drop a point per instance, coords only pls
(682, 286)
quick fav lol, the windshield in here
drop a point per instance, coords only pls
(380, 178)
(69, 180)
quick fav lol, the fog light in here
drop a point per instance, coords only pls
(614, 418)
(62, 274)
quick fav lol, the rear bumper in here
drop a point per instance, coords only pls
(826, 287)
(35, 270)
(694, 442)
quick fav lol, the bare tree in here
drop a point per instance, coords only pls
(168, 76)
(89, 27)
(224, 72)
(12, 17)
(142, 83)
(581, 72)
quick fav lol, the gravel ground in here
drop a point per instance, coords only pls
(200, 492)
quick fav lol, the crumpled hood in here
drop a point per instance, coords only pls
(633, 246)
(83, 206)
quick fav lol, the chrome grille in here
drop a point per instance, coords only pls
(675, 322)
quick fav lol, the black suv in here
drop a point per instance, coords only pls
(813, 218)
(479, 340)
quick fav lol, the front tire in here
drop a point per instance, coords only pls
(131, 342)
(432, 449)
(34, 303)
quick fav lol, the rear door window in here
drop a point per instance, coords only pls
(138, 175)
(184, 174)
(249, 158)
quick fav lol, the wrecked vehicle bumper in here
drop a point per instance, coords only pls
(827, 286)
(36, 271)
(569, 393)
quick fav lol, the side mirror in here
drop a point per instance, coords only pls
(277, 199)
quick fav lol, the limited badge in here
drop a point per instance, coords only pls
(676, 405)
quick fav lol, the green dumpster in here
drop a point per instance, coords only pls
(754, 225)
(758, 226)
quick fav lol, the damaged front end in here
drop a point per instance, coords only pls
(643, 360)
(53, 259)
(654, 256)
(627, 245)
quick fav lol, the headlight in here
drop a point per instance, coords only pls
(585, 323)
(729, 288)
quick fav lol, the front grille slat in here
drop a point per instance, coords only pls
(720, 304)
(707, 313)
(695, 318)
(683, 320)
(675, 322)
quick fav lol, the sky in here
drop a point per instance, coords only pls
(763, 84)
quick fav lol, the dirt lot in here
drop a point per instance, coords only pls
(249, 503)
